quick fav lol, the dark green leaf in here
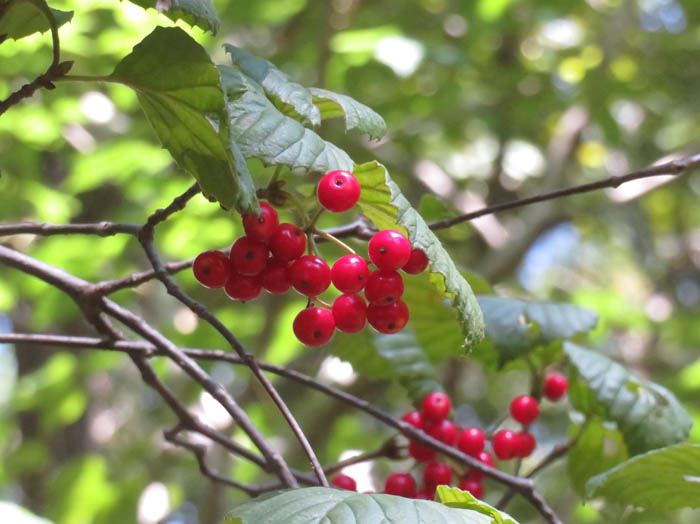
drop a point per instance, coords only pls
(663, 479)
(201, 13)
(25, 17)
(648, 415)
(357, 116)
(178, 85)
(456, 498)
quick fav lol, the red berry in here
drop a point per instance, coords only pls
(384, 287)
(436, 406)
(485, 458)
(420, 452)
(248, 257)
(349, 274)
(310, 275)
(472, 486)
(401, 484)
(275, 276)
(524, 409)
(435, 474)
(288, 242)
(388, 319)
(444, 431)
(314, 326)
(555, 386)
(389, 250)
(423, 495)
(526, 444)
(344, 482)
(471, 441)
(242, 287)
(263, 226)
(417, 262)
(338, 191)
(414, 418)
(350, 313)
(505, 444)
(211, 269)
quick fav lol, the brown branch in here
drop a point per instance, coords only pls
(107, 287)
(103, 229)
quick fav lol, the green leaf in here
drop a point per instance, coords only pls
(663, 479)
(456, 498)
(648, 415)
(381, 200)
(290, 98)
(263, 132)
(357, 116)
(336, 506)
(178, 86)
(200, 13)
(26, 17)
(491, 10)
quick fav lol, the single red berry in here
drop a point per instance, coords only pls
(401, 484)
(485, 458)
(420, 452)
(242, 287)
(275, 276)
(524, 409)
(388, 319)
(526, 444)
(555, 386)
(349, 274)
(389, 250)
(417, 262)
(414, 418)
(436, 406)
(436, 474)
(444, 431)
(472, 486)
(211, 269)
(314, 326)
(288, 242)
(248, 257)
(423, 495)
(471, 441)
(384, 287)
(350, 313)
(338, 191)
(505, 444)
(310, 275)
(263, 226)
(344, 482)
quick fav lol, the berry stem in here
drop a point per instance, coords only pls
(314, 219)
(323, 303)
(275, 176)
(336, 241)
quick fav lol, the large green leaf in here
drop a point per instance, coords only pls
(381, 200)
(648, 415)
(201, 13)
(336, 506)
(456, 498)
(357, 116)
(663, 479)
(26, 17)
(263, 132)
(178, 86)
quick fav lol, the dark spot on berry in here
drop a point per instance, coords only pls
(389, 300)
(317, 334)
(391, 325)
(206, 269)
(249, 255)
(305, 284)
(360, 277)
(261, 219)
(297, 232)
(338, 182)
(382, 250)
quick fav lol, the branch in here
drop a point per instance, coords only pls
(103, 229)
(107, 287)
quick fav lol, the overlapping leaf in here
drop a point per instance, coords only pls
(26, 17)
(201, 13)
(456, 498)
(357, 116)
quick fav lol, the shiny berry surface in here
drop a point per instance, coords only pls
(384, 287)
(349, 274)
(444, 431)
(388, 319)
(414, 418)
(420, 452)
(314, 326)
(338, 191)
(401, 484)
(310, 275)
(471, 441)
(248, 257)
(211, 269)
(524, 409)
(473, 486)
(526, 444)
(389, 250)
(350, 313)
(436, 474)
(243, 287)
(555, 386)
(275, 277)
(261, 227)
(417, 262)
(436, 406)
(343, 481)
(505, 444)
(288, 242)
(485, 458)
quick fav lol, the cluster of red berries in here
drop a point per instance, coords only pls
(271, 256)
(433, 419)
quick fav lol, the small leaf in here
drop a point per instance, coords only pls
(200, 13)
(663, 479)
(318, 505)
(382, 201)
(25, 17)
(456, 498)
(263, 132)
(648, 415)
(290, 98)
(357, 116)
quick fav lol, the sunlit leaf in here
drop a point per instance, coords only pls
(456, 498)
(201, 13)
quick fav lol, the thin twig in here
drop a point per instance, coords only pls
(103, 229)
